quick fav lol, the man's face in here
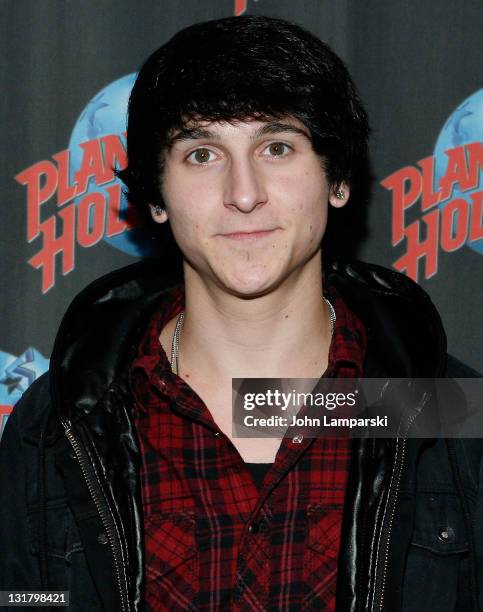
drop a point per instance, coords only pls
(247, 202)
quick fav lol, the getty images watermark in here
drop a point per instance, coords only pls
(374, 407)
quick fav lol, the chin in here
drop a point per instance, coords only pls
(249, 286)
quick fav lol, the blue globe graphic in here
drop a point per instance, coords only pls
(106, 114)
(464, 126)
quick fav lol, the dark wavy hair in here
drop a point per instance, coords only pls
(239, 68)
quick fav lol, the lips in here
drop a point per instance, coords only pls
(248, 235)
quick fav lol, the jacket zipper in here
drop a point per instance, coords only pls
(386, 528)
(106, 518)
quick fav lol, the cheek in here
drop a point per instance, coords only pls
(188, 209)
(311, 220)
(305, 201)
(188, 192)
(179, 200)
(304, 183)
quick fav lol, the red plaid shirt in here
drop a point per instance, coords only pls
(213, 540)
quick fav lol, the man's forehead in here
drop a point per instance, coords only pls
(253, 126)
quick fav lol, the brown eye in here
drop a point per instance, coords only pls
(201, 156)
(277, 149)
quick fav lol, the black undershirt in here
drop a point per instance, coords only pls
(258, 471)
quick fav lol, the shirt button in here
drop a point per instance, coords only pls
(445, 534)
(298, 439)
(254, 528)
(217, 434)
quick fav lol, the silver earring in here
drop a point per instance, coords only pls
(340, 194)
(158, 210)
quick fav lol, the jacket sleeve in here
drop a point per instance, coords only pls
(19, 568)
(469, 454)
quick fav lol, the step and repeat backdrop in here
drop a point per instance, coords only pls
(68, 67)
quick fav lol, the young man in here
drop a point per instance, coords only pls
(125, 485)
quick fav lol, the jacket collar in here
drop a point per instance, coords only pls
(406, 338)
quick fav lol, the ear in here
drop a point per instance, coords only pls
(339, 195)
(158, 214)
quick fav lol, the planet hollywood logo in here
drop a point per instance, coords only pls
(448, 186)
(90, 205)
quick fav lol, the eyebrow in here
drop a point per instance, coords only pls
(191, 134)
(274, 127)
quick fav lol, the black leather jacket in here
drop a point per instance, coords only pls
(71, 515)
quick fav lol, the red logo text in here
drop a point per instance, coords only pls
(447, 227)
(86, 221)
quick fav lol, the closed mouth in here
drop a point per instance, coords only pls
(248, 235)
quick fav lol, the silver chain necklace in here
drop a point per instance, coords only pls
(173, 362)
(332, 317)
(175, 343)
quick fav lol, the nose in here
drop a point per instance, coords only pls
(244, 187)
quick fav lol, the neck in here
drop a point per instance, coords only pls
(283, 334)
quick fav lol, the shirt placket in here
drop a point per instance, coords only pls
(254, 576)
